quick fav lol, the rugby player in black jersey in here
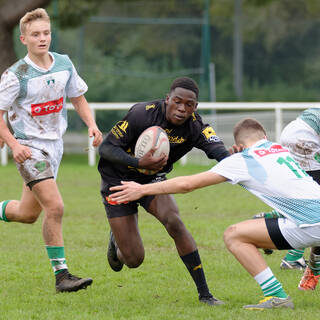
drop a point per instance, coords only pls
(177, 115)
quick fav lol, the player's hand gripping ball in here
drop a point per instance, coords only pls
(153, 137)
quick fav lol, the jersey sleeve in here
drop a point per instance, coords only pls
(210, 143)
(9, 90)
(232, 168)
(76, 86)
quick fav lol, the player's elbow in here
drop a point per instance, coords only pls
(186, 187)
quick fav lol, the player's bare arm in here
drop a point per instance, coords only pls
(82, 107)
(130, 190)
(20, 153)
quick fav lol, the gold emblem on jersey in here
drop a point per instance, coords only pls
(150, 106)
(119, 129)
(208, 132)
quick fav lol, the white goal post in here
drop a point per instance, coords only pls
(276, 107)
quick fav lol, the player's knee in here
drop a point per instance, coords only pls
(55, 210)
(134, 261)
(230, 236)
(132, 255)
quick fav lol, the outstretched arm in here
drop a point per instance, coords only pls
(130, 190)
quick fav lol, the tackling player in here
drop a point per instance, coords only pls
(33, 92)
(178, 117)
(302, 137)
(266, 169)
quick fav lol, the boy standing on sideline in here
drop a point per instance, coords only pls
(266, 169)
(33, 92)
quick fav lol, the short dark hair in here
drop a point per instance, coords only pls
(186, 83)
(246, 128)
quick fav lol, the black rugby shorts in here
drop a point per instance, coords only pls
(123, 209)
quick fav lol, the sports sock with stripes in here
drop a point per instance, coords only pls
(294, 255)
(3, 206)
(314, 263)
(193, 263)
(57, 258)
(269, 284)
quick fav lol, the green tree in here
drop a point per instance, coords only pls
(70, 15)
(11, 12)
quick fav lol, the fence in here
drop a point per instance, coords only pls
(274, 111)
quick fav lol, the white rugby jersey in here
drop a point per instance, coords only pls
(268, 170)
(35, 98)
(302, 138)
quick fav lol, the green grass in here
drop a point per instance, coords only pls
(160, 288)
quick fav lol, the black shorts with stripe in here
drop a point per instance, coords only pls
(275, 234)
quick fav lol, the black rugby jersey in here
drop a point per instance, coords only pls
(114, 164)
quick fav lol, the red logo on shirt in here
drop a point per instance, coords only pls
(276, 148)
(41, 109)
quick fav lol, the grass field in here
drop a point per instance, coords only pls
(159, 289)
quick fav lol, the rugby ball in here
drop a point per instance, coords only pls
(152, 137)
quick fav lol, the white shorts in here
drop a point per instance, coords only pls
(44, 162)
(299, 238)
(303, 143)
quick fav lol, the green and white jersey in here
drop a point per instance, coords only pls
(35, 98)
(312, 117)
(268, 170)
(302, 138)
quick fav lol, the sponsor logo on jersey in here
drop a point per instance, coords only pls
(276, 148)
(176, 139)
(119, 129)
(41, 109)
(210, 134)
(150, 106)
(113, 202)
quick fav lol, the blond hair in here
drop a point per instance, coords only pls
(32, 16)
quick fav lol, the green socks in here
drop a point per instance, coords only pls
(57, 259)
(294, 255)
(273, 214)
(3, 205)
(270, 286)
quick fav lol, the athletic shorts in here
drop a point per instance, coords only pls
(114, 209)
(315, 174)
(44, 162)
(285, 234)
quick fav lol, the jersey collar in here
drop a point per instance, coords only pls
(30, 62)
